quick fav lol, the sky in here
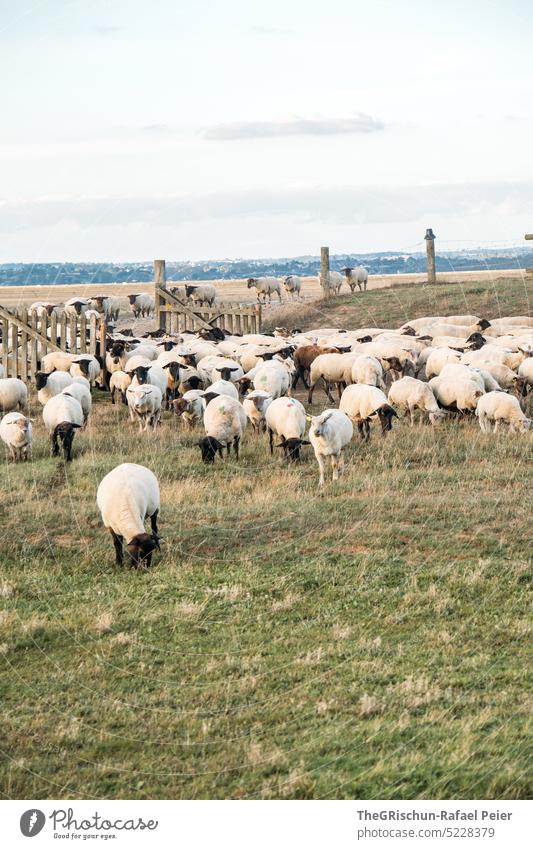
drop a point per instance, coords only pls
(212, 129)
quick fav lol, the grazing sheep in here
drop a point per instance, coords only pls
(361, 403)
(76, 306)
(286, 419)
(271, 378)
(525, 371)
(224, 423)
(498, 407)
(85, 365)
(331, 368)
(142, 305)
(410, 395)
(456, 395)
(293, 285)
(119, 382)
(62, 414)
(190, 406)
(205, 293)
(255, 406)
(16, 433)
(438, 359)
(265, 286)
(303, 359)
(145, 403)
(126, 497)
(367, 370)
(52, 384)
(329, 434)
(459, 371)
(82, 394)
(13, 394)
(356, 277)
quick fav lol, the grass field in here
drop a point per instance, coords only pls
(370, 642)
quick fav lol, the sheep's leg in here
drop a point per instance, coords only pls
(327, 390)
(117, 542)
(341, 386)
(153, 522)
(335, 467)
(361, 429)
(320, 461)
(412, 414)
(271, 440)
(55, 445)
(310, 393)
(367, 430)
(496, 423)
(279, 296)
(236, 443)
(113, 395)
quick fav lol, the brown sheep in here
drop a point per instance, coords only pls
(303, 357)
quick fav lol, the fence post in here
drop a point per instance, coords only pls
(160, 282)
(324, 271)
(258, 318)
(430, 253)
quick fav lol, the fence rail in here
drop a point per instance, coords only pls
(25, 339)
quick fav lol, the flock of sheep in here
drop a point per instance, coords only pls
(220, 384)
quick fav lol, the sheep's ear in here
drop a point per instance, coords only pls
(304, 442)
(157, 540)
(76, 425)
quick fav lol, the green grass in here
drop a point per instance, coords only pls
(370, 642)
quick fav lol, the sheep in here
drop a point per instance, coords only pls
(333, 282)
(356, 277)
(16, 433)
(225, 368)
(293, 285)
(119, 382)
(361, 403)
(116, 358)
(205, 293)
(224, 387)
(224, 424)
(82, 394)
(286, 419)
(329, 434)
(500, 407)
(57, 361)
(141, 305)
(42, 308)
(459, 371)
(190, 406)
(85, 365)
(145, 403)
(303, 358)
(13, 394)
(331, 368)
(62, 415)
(255, 406)
(52, 384)
(367, 370)
(152, 375)
(271, 378)
(265, 286)
(411, 394)
(456, 395)
(126, 496)
(525, 371)
(76, 306)
(438, 359)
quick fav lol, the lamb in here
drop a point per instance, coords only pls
(52, 384)
(205, 293)
(293, 285)
(410, 394)
(57, 361)
(286, 418)
(367, 370)
(85, 365)
(141, 305)
(224, 423)
(356, 277)
(126, 496)
(456, 395)
(265, 286)
(62, 415)
(119, 382)
(82, 394)
(500, 407)
(13, 394)
(190, 406)
(145, 403)
(329, 435)
(16, 433)
(255, 406)
(361, 403)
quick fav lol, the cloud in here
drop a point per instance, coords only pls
(331, 207)
(359, 123)
(107, 29)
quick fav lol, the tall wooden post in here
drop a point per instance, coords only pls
(430, 253)
(529, 237)
(160, 282)
(324, 271)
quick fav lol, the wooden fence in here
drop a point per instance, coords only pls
(26, 338)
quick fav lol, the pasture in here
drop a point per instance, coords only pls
(370, 641)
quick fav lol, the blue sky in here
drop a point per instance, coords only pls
(220, 129)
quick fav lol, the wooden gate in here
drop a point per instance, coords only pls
(26, 338)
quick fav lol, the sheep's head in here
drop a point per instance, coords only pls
(476, 341)
(193, 382)
(244, 384)
(141, 548)
(141, 373)
(251, 282)
(84, 366)
(408, 331)
(180, 406)
(364, 339)
(132, 299)
(41, 379)
(318, 422)
(437, 417)
(291, 447)
(65, 432)
(209, 447)
(189, 290)
(483, 324)
(386, 414)
(226, 371)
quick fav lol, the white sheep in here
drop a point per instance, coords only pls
(190, 406)
(52, 384)
(223, 387)
(265, 286)
(367, 370)
(107, 305)
(145, 404)
(151, 374)
(456, 394)
(16, 433)
(498, 407)
(142, 305)
(82, 394)
(333, 282)
(224, 424)
(57, 361)
(286, 419)
(329, 434)
(438, 359)
(62, 414)
(76, 306)
(43, 308)
(204, 293)
(409, 394)
(271, 378)
(361, 403)
(293, 285)
(331, 369)
(85, 365)
(356, 277)
(13, 394)
(125, 497)
(119, 382)
(255, 406)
